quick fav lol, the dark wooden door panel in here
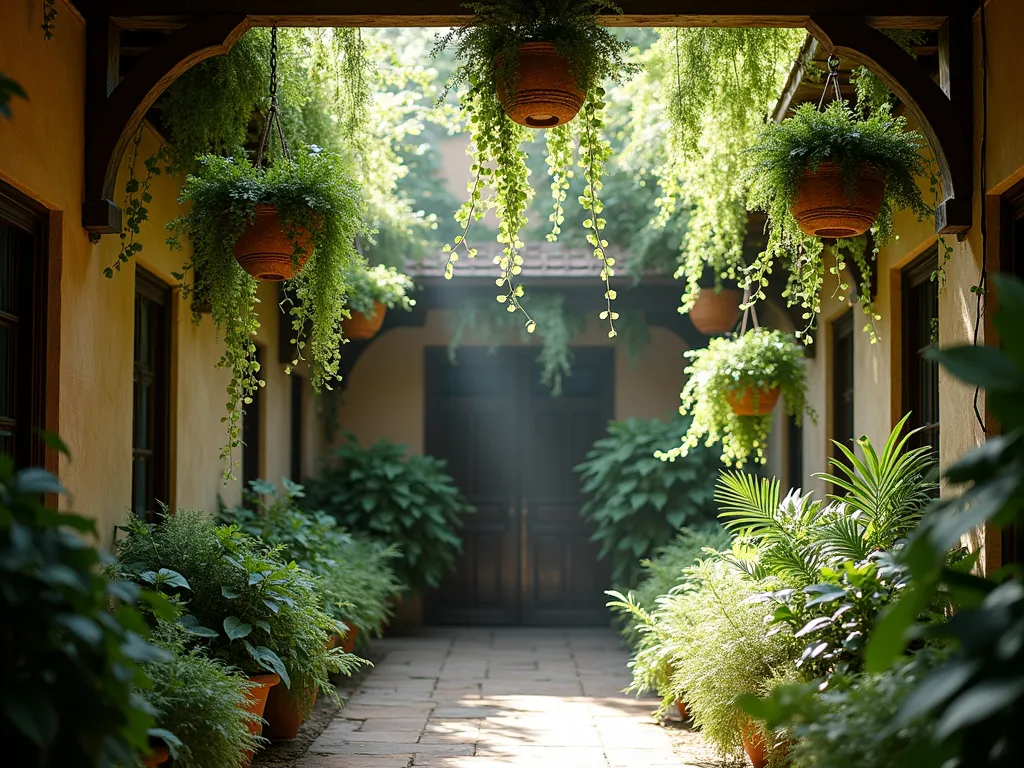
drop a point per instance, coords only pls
(511, 448)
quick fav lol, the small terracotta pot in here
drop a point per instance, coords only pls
(754, 745)
(257, 703)
(348, 644)
(742, 401)
(681, 708)
(361, 326)
(285, 713)
(158, 755)
(716, 313)
(824, 208)
(265, 251)
(545, 92)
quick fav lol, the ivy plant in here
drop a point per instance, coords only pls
(838, 134)
(71, 665)
(379, 284)
(487, 48)
(636, 502)
(405, 500)
(315, 193)
(760, 359)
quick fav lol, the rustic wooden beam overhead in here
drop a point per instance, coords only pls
(915, 14)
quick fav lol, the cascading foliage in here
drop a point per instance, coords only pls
(487, 48)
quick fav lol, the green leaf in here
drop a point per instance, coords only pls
(230, 592)
(33, 714)
(235, 628)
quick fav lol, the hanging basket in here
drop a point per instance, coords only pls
(265, 251)
(361, 327)
(546, 93)
(716, 313)
(742, 401)
(824, 207)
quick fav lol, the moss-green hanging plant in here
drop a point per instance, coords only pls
(728, 372)
(488, 48)
(314, 194)
(805, 142)
(368, 287)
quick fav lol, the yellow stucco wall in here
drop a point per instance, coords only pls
(41, 151)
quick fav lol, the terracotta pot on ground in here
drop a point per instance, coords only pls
(258, 702)
(754, 745)
(361, 326)
(742, 401)
(285, 713)
(682, 709)
(158, 755)
(823, 207)
(349, 643)
(716, 313)
(546, 93)
(265, 251)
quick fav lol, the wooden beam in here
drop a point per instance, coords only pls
(915, 14)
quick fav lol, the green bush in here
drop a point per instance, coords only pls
(69, 664)
(663, 572)
(636, 501)
(354, 574)
(396, 499)
(241, 602)
(199, 704)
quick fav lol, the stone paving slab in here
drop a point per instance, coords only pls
(473, 698)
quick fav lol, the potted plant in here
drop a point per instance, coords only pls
(371, 293)
(408, 501)
(201, 706)
(733, 386)
(832, 174)
(306, 211)
(534, 64)
(243, 604)
(716, 310)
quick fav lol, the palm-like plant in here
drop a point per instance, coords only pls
(884, 497)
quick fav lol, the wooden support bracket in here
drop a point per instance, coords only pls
(116, 107)
(945, 110)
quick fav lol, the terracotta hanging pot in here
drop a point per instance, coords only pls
(715, 313)
(742, 401)
(265, 251)
(361, 326)
(158, 755)
(754, 745)
(257, 703)
(286, 712)
(824, 208)
(545, 93)
(349, 643)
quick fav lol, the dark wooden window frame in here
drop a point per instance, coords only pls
(842, 334)
(252, 431)
(158, 375)
(29, 340)
(917, 290)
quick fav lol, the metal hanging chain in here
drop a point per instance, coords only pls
(749, 311)
(833, 79)
(273, 114)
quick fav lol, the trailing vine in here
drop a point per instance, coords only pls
(561, 148)
(49, 16)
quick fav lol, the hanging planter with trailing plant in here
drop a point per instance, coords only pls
(716, 311)
(371, 293)
(732, 388)
(534, 64)
(829, 173)
(293, 219)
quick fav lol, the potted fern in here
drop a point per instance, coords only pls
(371, 293)
(534, 64)
(308, 208)
(733, 386)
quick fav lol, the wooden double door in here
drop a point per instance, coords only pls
(511, 447)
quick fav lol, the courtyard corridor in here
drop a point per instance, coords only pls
(471, 698)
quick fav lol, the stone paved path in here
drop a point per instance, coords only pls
(470, 698)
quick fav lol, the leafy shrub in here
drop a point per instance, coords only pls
(759, 359)
(354, 574)
(240, 601)
(397, 499)
(199, 704)
(69, 664)
(315, 192)
(666, 570)
(636, 501)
